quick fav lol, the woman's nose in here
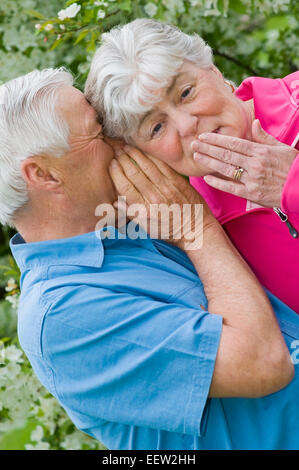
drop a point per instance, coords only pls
(187, 124)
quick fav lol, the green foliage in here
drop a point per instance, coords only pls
(235, 29)
(248, 37)
(30, 418)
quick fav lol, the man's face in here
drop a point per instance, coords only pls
(84, 169)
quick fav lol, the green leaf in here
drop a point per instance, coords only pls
(69, 2)
(279, 22)
(238, 6)
(35, 14)
(12, 262)
(16, 439)
(92, 43)
(5, 339)
(56, 43)
(125, 5)
(8, 321)
(81, 36)
(3, 267)
(88, 16)
(263, 59)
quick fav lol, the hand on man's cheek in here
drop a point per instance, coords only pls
(116, 144)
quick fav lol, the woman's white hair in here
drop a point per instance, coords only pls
(133, 62)
(29, 126)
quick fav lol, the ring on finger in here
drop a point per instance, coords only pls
(238, 173)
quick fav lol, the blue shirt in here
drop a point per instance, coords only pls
(118, 331)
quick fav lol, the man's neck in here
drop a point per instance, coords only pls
(44, 229)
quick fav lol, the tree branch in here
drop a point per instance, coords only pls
(235, 61)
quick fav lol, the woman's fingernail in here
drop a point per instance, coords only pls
(119, 152)
(202, 136)
(207, 179)
(196, 156)
(193, 144)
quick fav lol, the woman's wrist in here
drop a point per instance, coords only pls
(193, 239)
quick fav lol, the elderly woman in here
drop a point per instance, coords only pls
(158, 88)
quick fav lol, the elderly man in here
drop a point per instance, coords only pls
(119, 328)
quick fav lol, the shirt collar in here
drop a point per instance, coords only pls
(82, 250)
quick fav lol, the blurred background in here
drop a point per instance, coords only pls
(249, 37)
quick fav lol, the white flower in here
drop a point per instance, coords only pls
(3, 375)
(11, 285)
(272, 35)
(14, 354)
(38, 26)
(72, 441)
(100, 4)
(51, 410)
(212, 12)
(38, 446)
(13, 299)
(101, 14)
(2, 353)
(12, 370)
(49, 27)
(69, 12)
(37, 434)
(62, 27)
(150, 9)
(174, 5)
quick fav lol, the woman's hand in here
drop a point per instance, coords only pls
(146, 183)
(266, 163)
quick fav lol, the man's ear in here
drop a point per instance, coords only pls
(38, 175)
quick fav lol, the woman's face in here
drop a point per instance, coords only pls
(196, 101)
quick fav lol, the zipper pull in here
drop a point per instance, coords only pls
(284, 218)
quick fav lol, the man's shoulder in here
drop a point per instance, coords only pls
(56, 301)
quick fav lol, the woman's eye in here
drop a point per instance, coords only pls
(156, 129)
(186, 92)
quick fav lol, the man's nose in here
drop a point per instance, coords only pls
(186, 123)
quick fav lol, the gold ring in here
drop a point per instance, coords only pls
(238, 173)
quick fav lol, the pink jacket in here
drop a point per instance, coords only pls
(259, 234)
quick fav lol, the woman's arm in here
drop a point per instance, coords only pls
(252, 359)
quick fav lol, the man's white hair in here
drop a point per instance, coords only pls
(133, 62)
(29, 126)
